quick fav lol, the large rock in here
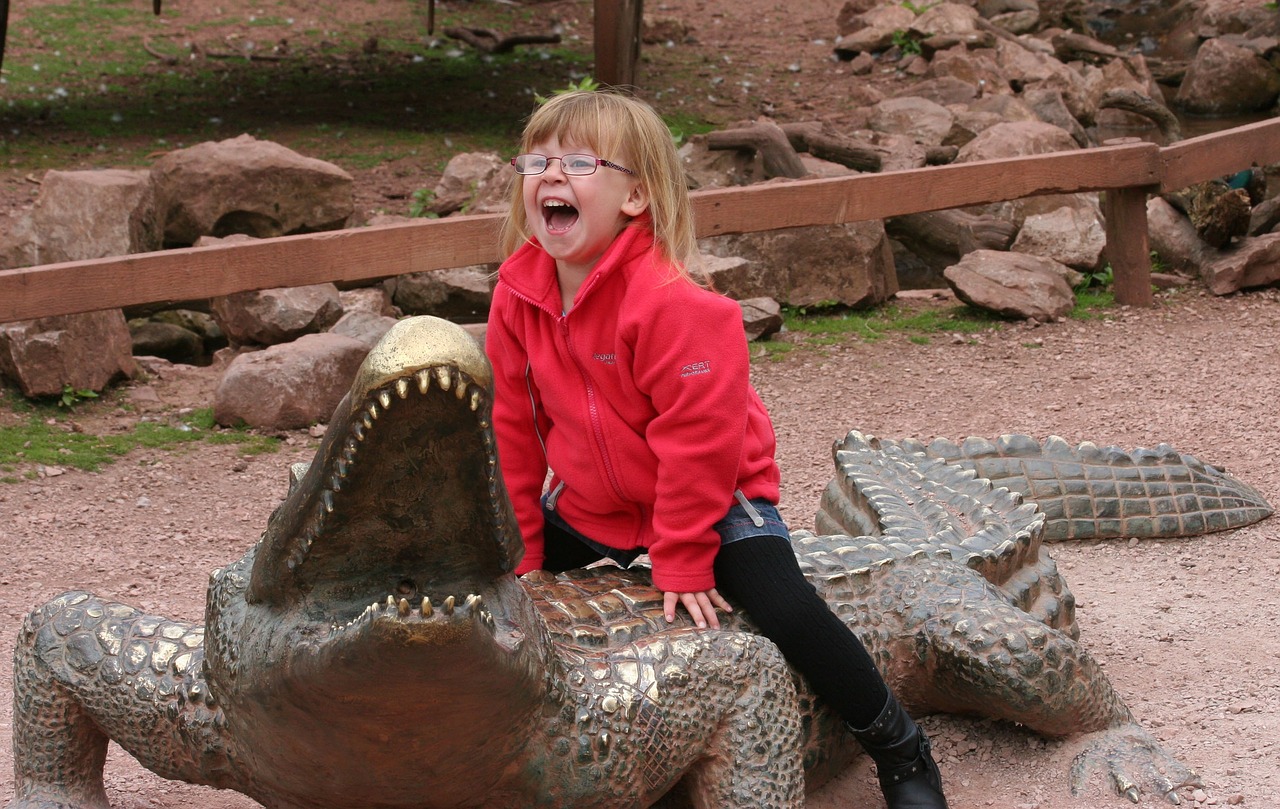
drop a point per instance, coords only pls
(288, 386)
(244, 185)
(459, 294)
(1012, 284)
(924, 121)
(367, 327)
(466, 174)
(85, 352)
(169, 341)
(1070, 236)
(83, 215)
(1020, 138)
(1255, 263)
(1225, 78)
(850, 264)
(18, 245)
(271, 316)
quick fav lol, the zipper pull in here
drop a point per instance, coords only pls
(756, 519)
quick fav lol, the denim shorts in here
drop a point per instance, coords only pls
(745, 519)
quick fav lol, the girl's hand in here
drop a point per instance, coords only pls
(701, 607)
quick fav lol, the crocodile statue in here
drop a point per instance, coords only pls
(374, 648)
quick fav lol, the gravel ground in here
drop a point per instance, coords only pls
(1184, 628)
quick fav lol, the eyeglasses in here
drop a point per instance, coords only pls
(578, 165)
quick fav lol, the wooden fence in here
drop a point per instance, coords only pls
(1127, 172)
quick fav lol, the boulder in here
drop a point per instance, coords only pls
(1070, 236)
(945, 18)
(850, 264)
(1013, 284)
(152, 338)
(367, 327)
(1254, 263)
(924, 121)
(288, 386)
(1015, 138)
(465, 175)
(375, 299)
(458, 294)
(244, 185)
(271, 316)
(86, 352)
(18, 245)
(1225, 79)
(83, 215)
(761, 318)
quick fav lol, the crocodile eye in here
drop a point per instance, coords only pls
(406, 587)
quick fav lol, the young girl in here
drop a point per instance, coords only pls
(631, 383)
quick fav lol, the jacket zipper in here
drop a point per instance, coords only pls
(597, 425)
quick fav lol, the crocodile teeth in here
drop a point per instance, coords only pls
(384, 399)
(327, 498)
(448, 606)
(445, 377)
(391, 602)
(403, 607)
(472, 601)
(424, 381)
(426, 610)
(460, 391)
(402, 388)
(476, 398)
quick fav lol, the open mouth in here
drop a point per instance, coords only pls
(558, 215)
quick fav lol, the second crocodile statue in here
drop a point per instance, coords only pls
(373, 649)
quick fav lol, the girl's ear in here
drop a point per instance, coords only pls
(637, 201)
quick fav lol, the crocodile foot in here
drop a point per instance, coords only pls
(1133, 761)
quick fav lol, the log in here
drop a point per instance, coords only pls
(950, 233)
(490, 41)
(768, 140)
(822, 143)
(1147, 107)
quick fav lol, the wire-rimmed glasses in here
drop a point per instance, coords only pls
(577, 165)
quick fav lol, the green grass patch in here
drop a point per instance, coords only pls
(876, 324)
(1093, 303)
(52, 441)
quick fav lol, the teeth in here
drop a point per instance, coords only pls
(460, 391)
(384, 398)
(424, 381)
(367, 418)
(391, 602)
(475, 400)
(555, 203)
(402, 389)
(426, 610)
(327, 498)
(472, 602)
(445, 376)
(403, 607)
(448, 606)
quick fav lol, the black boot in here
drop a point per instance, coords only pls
(908, 775)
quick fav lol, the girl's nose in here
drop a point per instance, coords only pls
(554, 164)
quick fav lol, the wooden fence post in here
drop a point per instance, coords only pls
(1128, 249)
(617, 32)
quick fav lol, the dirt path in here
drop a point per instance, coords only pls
(1184, 629)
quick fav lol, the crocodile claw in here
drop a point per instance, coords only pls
(1133, 761)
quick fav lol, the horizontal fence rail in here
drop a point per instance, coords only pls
(1127, 172)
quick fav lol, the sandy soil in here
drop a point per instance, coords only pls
(1184, 628)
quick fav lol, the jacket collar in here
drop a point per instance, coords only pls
(531, 273)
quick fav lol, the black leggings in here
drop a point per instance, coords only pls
(760, 575)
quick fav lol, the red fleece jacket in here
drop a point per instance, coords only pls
(639, 400)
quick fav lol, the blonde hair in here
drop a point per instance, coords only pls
(629, 132)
